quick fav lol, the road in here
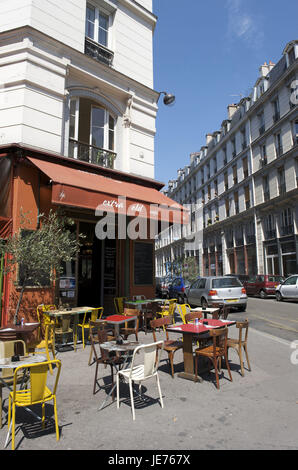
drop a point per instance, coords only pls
(275, 318)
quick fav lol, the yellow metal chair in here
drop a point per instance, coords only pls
(7, 349)
(91, 315)
(169, 309)
(119, 305)
(183, 310)
(46, 343)
(38, 393)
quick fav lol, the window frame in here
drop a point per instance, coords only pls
(99, 10)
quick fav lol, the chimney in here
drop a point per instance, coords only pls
(232, 108)
(209, 137)
(266, 68)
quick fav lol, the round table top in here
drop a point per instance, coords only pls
(113, 346)
(26, 328)
(24, 360)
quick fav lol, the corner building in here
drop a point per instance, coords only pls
(242, 184)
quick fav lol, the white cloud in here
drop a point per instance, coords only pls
(242, 25)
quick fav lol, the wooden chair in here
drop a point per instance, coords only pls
(215, 352)
(94, 326)
(149, 313)
(131, 330)
(223, 313)
(170, 346)
(240, 343)
(99, 334)
(190, 317)
(8, 349)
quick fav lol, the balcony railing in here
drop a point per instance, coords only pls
(287, 230)
(91, 154)
(98, 52)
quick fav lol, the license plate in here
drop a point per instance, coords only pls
(232, 300)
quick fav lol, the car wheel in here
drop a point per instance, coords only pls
(263, 294)
(204, 303)
(278, 296)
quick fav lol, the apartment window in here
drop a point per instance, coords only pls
(236, 202)
(233, 143)
(287, 224)
(295, 137)
(226, 181)
(245, 167)
(97, 25)
(281, 180)
(266, 191)
(215, 165)
(235, 177)
(227, 205)
(276, 110)
(225, 160)
(291, 55)
(263, 151)
(208, 171)
(261, 118)
(278, 145)
(243, 139)
(270, 230)
(247, 197)
(215, 188)
(209, 192)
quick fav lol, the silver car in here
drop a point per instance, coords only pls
(217, 290)
(288, 289)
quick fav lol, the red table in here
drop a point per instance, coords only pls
(189, 331)
(118, 320)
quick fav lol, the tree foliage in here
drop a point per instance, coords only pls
(38, 254)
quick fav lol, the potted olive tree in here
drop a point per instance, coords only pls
(37, 255)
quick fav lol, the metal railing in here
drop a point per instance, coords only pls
(98, 52)
(91, 154)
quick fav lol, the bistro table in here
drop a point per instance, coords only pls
(7, 363)
(143, 302)
(23, 332)
(118, 320)
(126, 348)
(75, 312)
(189, 331)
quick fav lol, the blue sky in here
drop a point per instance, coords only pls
(205, 52)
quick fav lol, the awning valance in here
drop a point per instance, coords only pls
(77, 188)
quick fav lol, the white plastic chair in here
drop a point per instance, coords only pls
(142, 372)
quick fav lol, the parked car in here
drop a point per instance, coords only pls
(177, 289)
(288, 289)
(162, 286)
(217, 290)
(262, 285)
(242, 277)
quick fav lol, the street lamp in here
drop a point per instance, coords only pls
(168, 99)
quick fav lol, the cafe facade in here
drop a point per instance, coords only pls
(118, 214)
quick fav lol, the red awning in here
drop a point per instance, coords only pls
(76, 188)
(5, 227)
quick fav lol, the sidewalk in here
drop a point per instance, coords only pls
(258, 411)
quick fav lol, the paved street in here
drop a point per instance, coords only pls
(276, 318)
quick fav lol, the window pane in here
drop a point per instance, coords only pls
(90, 21)
(97, 137)
(102, 37)
(98, 117)
(103, 21)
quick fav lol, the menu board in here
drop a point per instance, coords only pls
(143, 264)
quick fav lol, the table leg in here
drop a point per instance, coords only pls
(189, 372)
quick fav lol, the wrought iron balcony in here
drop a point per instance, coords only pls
(98, 52)
(91, 154)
